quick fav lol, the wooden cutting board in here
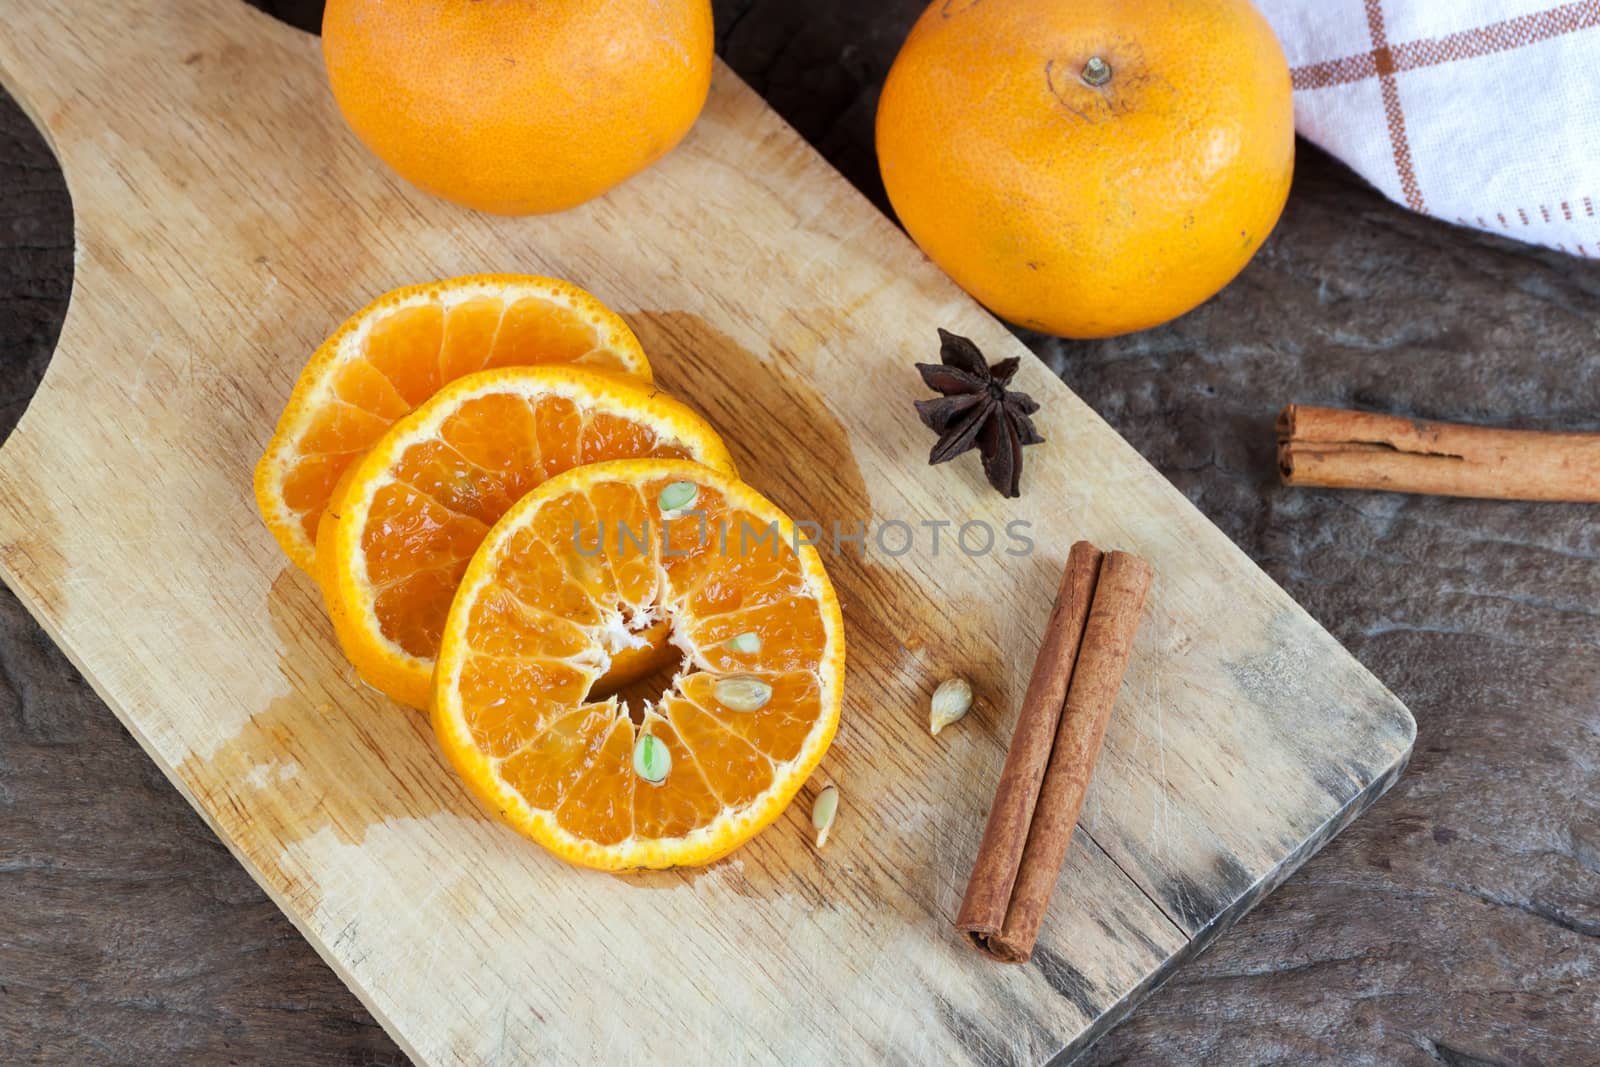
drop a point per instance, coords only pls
(226, 221)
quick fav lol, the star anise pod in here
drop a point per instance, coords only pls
(978, 411)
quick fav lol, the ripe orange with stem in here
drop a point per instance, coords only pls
(1088, 168)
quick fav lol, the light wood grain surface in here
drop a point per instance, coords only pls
(221, 233)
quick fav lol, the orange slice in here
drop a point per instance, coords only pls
(395, 353)
(407, 516)
(690, 775)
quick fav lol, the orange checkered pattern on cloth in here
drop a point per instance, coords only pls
(1481, 112)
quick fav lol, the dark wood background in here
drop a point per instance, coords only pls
(1458, 923)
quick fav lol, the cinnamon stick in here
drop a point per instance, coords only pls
(1341, 449)
(1054, 750)
(983, 910)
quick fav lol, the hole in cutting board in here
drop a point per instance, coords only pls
(301, 14)
(36, 242)
(35, 260)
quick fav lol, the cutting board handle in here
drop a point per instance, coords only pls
(75, 65)
(175, 120)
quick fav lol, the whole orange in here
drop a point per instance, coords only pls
(1088, 168)
(513, 106)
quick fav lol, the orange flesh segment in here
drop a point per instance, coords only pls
(497, 433)
(469, 331)
(533, 331)
(630, 550)
(419, 604)
(777, 730)
(558, 426)
(722, 758)
(364, 386)
(343, 428)
(725, 758)
(504, 626)
(311, 482)
(409, 532)
(544, 769)
(791, 638)
(681, 803)
(599, 806)
(404, 346)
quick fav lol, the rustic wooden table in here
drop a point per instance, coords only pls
(1457, 923)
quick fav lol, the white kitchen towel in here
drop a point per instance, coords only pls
(1482, 112)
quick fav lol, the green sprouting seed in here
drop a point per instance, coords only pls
(652, 759)
(677, 496)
